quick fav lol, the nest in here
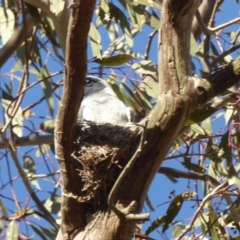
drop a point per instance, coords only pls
(102, 151)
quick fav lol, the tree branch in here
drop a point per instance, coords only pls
(218, 82)
(75, 75)
(188, 175)
(29, 140)
(16, 40)
(217, 191)
(205, 13)
(27, 184)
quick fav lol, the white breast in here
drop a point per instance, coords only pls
(101, 105)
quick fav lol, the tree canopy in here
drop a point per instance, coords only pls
(175, 64)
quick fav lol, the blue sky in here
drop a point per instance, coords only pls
(161, 187)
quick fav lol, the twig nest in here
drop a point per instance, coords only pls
(102, 151)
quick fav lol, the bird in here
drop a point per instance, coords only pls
(101, 105)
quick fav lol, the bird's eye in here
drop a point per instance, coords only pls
(90, 80)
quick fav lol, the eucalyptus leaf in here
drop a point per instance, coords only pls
(144, 67)
(114, 60)
(12, 231)
(120, 18)
(47, 88)
(48, 126)
(7, 24)
(172, 211)
(95, 41)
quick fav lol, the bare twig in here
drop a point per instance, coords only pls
(216, 6)
(203, 26)
(29, 140)
(189, 175)
(235, 38)
(220, 27)
(35, 176)
(218, 190)
(27, 184)
(224, 54)
(14, 106)
(124, 213)
(150, 38)
(205, 12)
(16, 40)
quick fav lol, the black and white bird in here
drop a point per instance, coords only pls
(101, 105)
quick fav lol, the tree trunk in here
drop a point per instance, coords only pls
(117, 209)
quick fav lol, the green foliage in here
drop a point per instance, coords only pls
(48, 126)
(7, 24)
(123, 51)
(12, 231)
(114, 60)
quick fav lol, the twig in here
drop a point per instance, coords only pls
(206, 45)
(224, 54)
(202, 25)
(15, 41)
(39, 100)
(27, 184)
(220, 27)
(14, 105)
(218, 190)
(150, 38)
(28, 140)
(35, 176)
(189, 175)
(235, 38)
(216, 6)
(123, 214)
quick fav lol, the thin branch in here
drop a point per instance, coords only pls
(235, 38)
(16, 40)
(188, 175)
(27, 184)
(29, 140)
(25, 213)
(205, 11)
(202, 25)
(224, 54)
(150, 39)
(215, 8)
(220, 27)
(111, 197)
(35, 176)
(218, 190)
(15, 105)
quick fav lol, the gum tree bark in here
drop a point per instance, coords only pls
(180, 94)
(75, 75)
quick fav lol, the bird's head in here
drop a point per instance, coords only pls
(95, 85)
